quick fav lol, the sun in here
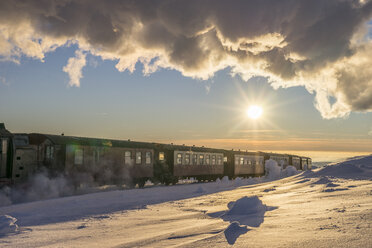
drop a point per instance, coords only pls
(254, 112)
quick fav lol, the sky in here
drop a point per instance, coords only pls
(186, 71)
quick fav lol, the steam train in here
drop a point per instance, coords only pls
(105, 161)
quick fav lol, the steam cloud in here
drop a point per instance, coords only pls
(321, 45)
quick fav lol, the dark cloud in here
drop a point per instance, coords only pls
(291, 42)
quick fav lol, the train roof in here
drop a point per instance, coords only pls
(37, 138)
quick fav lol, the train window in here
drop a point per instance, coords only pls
(194, 159)
(241, 160)
(237, 160)
(79, 157)
(207, 159)
(213, 159)
(179, 158)
(201, 159)
(148, 157)
(127, 157)
(49, 152)
(138, 158)
(245, 160)
(4, 145)
(257, 163)
(187, 158)
(249, 162)
(161, 156)
(219, 160)
(224, 159)
(96, 155)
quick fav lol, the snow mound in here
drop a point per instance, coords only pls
(238, 182)
(246, 206)
(353, 168)
(7, 225)
(225, 180)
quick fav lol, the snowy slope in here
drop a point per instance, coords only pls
(328, 207)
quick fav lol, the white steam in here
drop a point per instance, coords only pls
(274, 171)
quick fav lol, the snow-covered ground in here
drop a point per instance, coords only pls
(329, 207)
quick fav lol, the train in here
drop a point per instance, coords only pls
(126, 162)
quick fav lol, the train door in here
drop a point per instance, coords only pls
(4, 157)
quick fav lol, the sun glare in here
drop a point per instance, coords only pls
(254, 112)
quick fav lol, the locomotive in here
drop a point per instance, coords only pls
(126, 162)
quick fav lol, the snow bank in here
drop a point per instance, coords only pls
(246, 205)
(7, 225)
(353, 168)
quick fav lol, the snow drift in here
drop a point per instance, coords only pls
(247, 205)
(7, 225)
(352, 168)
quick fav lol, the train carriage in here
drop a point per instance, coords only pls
(295, 161)
(244, 164)
(190, 161)
(95, 160)
(281, 159)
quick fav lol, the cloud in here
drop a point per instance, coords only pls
(74, 68)
(321, 45)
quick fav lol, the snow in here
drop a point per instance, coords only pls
(330, 206)
(7, 225)
(246, 206)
